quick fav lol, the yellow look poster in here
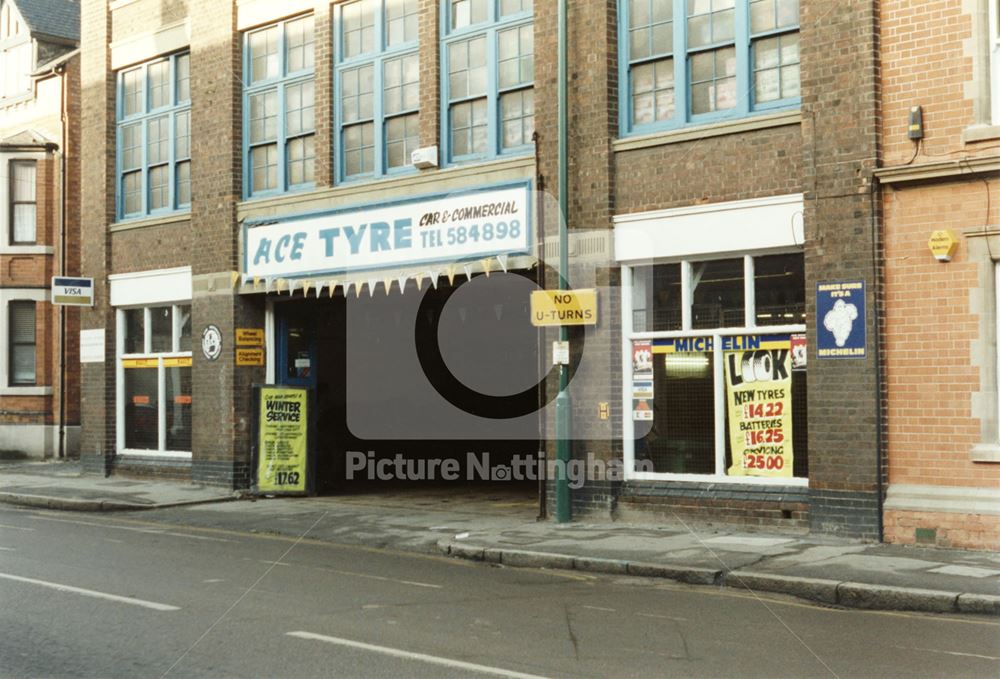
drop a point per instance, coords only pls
(282, 442)
(759, 400)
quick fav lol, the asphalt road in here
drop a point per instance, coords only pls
(99, 596)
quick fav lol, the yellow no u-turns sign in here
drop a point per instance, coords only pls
(564, 307)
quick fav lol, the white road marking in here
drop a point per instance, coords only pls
(213, 580)
(599, 608)
(7, 549)
(661, 617)
(409, 655)
(956, 653)
(91, 593)
(369, 576)
(3, 525)
(151, 531)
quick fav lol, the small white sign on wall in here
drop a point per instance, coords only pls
(92, 346)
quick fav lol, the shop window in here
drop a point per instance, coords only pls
(21, 317)
(718, 384)
(693, 61)
(23, 207)
(488, 78)
(378, 80)
(155, 378)
(154, 137)
(278, 108)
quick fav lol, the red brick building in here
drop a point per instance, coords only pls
(250, 165)
(940, 322)
(39, 226)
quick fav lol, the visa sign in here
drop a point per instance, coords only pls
(72, 291)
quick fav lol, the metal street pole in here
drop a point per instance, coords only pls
(563, 404)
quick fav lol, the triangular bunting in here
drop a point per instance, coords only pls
(502, 259)
(468, 271)
(451, 275)
(486, 266)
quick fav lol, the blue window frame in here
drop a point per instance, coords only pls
(154, 137)
(697, 61)
(279, 126)
(378, 87)
(487, 74)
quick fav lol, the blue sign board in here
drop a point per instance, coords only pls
(840, 320)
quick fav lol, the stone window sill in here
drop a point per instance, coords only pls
(977, 133)
(692, 132)
(986, 452)
(146, 222)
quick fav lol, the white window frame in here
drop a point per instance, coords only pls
(996, 356)
(750, 328)
(6, 246)
(8, 295)
(994, 47)
(145, 290)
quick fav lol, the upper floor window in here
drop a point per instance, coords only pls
(15, 54)
(279, 120)
(378, 83)
(488, 78)
(154, 137)
(689, 61)
(23, 208)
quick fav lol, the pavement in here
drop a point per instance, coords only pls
(498, 527)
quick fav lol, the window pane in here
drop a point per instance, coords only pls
(402, 84)
(301, 159)
(159, 187)
(183, 183)
(780, 289)
(134, 337)
(184, 311)
(158, 140)
(263, 116)
(776, 67)
(509, 7)
(132, 92)
(182, 134)
(357, 93)
(132, 192)
(469, 128)
(183, 64)
(467, 68)
(264, 161)
(299, 113)
(161, 329)
(22, 342)
(710, 21)
(517, 117)
(718, 295)
(680, 438)
(131, 146)
(656, 298)
(299, 45)
(402, 138)
(359, 149)
(141, 409)
(516, 56)
(653, 92)
(159, 84)
(264, 54)
(24, 223)
(468, 12)
(400, 22)
(178, 405)
(713, 80)
(358, 22)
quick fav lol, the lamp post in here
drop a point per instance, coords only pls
(563, 403)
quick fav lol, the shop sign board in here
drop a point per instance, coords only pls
(249, 356)
(282, 457)
(436, 228)
(563, 307)
(249, 337)
(840, 318)
(92, 346)
(72, 291)
(759, 400)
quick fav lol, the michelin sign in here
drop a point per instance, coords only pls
(449, 227)
(840, 315)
